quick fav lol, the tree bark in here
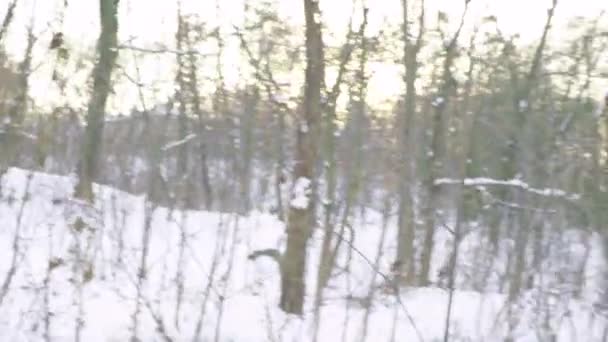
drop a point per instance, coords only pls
(102, 73)
(300, 221)
(18, 109)
(404, 263)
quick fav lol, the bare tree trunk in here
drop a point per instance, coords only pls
(435, 163)
(326, 262)
(183, 192)
(18, 110)
(6, 22)
(202, 130)
(372, 284)
(404, 263)
(328, 256)
(246, 142)
(462, 156)
(102, 73)
(301, 220)
(279, 178)
(520, 157)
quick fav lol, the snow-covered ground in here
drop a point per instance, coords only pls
(60, 278)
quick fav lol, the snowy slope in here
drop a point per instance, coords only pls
(61, 272)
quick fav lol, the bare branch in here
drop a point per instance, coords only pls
(263, 74)
(272, 253)
(164, 50)
(517, 183)
(8, 18)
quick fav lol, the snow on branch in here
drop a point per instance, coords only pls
(177, 143)
(301, 193)
(482, 181)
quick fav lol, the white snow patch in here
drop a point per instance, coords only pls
(518, 183)
(247, 291)
(438, 101)
(523, 105)
(177, 143)
(301, 193)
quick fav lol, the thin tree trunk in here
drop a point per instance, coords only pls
(435, 154)
(466, 143)
(379, 255)
(102, 73)
(404, 263)
(326, 262)
(246, 142)
(520, 157)
(6, 22)
(184, 193)
(18, 110)
(328, 256)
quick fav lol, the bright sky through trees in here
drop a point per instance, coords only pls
(146, 23)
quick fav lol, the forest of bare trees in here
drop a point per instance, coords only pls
(487, 175)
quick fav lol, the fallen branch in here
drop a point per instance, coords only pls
(482, 181)
(272, 253)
